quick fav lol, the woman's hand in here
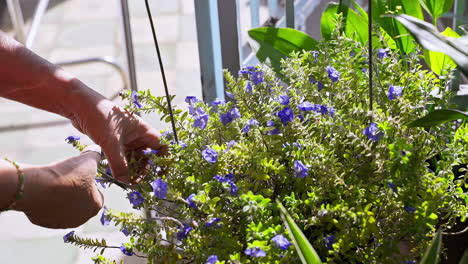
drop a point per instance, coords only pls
(120, 134)
(64, 194)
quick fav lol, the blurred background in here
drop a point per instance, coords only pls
(197, 39)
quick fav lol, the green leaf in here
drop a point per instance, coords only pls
(355, 25)
(438, 117)
(431, 256)
(464, 259)
(382, 8)
(438, 61)
(436, 7)
(277, 43)
(303, 247)
(428, 36)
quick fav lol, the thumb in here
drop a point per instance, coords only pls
(115, 154)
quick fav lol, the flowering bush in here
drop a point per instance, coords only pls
(363, 186)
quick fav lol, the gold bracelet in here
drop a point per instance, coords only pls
(19, 191)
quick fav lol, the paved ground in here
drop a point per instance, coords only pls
(74, 29)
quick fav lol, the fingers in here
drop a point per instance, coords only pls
(95, 150)
(115, 154)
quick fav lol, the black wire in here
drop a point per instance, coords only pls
(369, 15)
(168, 97)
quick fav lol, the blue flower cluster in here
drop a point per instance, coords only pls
(319, 83)
(201, 118)
(210, 155)
(321, 109)
(160, 188)
(333, 74)
(372, 132)
(135, 198)
(228, 178)
(230, 116)
(251, 123)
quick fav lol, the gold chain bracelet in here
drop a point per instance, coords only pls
(19, 191)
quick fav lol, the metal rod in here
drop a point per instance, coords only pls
(168, 97)
(290, 17)
(369, 14)
(128, 45)
(14, 9)
(36, 21)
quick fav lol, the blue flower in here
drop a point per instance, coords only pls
(201, 121)
(300, 169)
(167, 133)
(394, 92)
(125, 231)
(190, 201)
(306, 106)
(250, 123)
(275, 131)
(212, 221)
(135, 198)
(212, 259)
(381, 53)
(68, 237)
(160, 188)
(184, 232)
(248, 87)
(364, 70)
(410, 262)
(126, 251)
(257, 77)
(135, 99)
(255, 252)
(319, 83)
(100, 181)
(72, 139)
(409, 209)
(286, 115)
(217, 102)
(372, 132)
(149, 151)
(105, 217)
(281, 241)
(393, 187)
(331, 111)
(230, 95)
(301, 117)
(333, 74)
(210, 155)
(283, 99)
(321, 109)
(352, 53)
(329, 241)
(230, 116)
(191, 99)
(315, 54)
(230, 144)
(108, 171)
(233, 188)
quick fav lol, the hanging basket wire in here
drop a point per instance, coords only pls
(158, 52)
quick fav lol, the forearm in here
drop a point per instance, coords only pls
(29, 79)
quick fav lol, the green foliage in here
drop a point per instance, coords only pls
(431, 39)
(277, 43)
(346, 192)
(438, 61)
(438, 117)
(303, 247)
(355, 27)
(436, 8)
(382, 8)
(431, 256)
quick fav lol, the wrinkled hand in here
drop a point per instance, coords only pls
(120, 134)
(64, 194)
